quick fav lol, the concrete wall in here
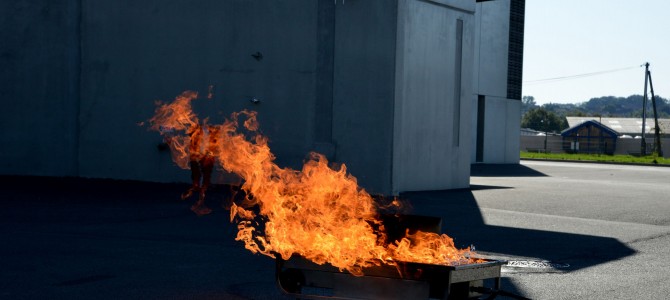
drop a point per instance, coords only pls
(536, 143)
(503, 121)
(133, 53)
(628, 146)
(501, 115)
(363, 90)
(491, 48)
(39, 84)
(79, 75)
(136, 52)
(434, 73)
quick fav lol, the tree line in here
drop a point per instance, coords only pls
(550, 117)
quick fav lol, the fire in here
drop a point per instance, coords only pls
(318, 212)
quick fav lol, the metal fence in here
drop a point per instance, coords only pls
(556, 144)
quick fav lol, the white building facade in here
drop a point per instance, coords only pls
(496, 113)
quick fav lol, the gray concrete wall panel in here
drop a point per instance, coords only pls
(363, 87)
(502, 117)
(428, 153)
(137, 52)
(501, 142)
(477, 50)
(323, 116)
(39, 78)
(495, 130)
(492, 47)
(80, 75)
(513, 124)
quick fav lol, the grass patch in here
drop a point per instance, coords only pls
(649, 159)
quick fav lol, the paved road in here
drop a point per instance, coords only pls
(602, 232)
(614, 218)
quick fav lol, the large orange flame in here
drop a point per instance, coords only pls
(319, 212)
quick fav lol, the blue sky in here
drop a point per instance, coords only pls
(573, 37)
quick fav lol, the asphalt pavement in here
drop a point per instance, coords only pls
(569, 230)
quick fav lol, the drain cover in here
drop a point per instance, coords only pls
(535, 264)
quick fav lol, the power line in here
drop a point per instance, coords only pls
(561, 78)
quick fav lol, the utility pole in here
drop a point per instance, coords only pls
(657, 129)
(643, 146)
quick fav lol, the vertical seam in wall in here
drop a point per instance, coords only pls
(458, 68)
(332, 83)
(79, 66)
(325, 76)
(392, 160)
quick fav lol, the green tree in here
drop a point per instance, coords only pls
(543, 120)
(527, 103)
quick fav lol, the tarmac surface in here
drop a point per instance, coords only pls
(568, 230)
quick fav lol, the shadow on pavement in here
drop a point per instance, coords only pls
(503, 170)
(76, 238)
(462, 220)
(476, 187)
(145, 228)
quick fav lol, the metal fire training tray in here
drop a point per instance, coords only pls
(306, 280)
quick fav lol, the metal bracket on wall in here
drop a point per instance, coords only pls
(336, 2)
